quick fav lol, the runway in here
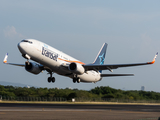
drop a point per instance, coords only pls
(27, 111)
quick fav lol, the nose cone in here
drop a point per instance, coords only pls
(21, 47)
(18, 45)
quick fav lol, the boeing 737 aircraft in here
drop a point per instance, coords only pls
(54, 61)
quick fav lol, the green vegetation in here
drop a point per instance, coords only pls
(98, 93)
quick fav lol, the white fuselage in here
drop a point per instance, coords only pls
(54, 60)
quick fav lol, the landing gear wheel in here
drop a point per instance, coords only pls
(53, 79)
(78, 80)
(49, 79)
(74, 80)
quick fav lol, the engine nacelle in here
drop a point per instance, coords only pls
(76, 68)
(33, 67)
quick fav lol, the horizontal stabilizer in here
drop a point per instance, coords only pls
(113, 75)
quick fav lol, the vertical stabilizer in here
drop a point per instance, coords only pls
(101, 56)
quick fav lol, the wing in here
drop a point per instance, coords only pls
(5, 61)
(115, 66)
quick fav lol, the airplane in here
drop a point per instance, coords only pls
(52, 60)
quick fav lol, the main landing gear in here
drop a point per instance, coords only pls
(76, 79)
(51, 79)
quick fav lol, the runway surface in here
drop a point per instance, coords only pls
(27, 111)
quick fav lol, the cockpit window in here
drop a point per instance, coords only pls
(26, 41)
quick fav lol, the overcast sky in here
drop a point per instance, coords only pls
(79, 28)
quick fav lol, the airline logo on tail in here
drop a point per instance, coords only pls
(102, 58)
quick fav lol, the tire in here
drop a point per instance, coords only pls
(49, 79)
(78, 80)
(74, 80)
(53, 79)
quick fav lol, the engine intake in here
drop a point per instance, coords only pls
(76, 68)
(33, 67)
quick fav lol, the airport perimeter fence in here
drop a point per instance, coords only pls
(10, 98)
(60, 99)
(115, 100)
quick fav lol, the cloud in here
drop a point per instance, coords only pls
(11, 33)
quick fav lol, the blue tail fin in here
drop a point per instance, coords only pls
(101, 56)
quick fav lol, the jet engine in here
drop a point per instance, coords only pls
(33, 67)
(76, 68)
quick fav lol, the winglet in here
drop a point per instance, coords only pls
(154, 59)
(5, 58)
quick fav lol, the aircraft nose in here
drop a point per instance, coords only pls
(21, 47)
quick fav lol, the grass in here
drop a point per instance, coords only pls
(48, 102)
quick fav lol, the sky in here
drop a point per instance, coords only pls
(79, 28)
